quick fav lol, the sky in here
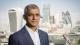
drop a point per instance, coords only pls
(56, 6)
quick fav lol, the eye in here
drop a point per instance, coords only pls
(37, 14)
(30, 14)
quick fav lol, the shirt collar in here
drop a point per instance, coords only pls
(30, 30)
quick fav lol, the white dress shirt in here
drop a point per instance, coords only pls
(34, 35)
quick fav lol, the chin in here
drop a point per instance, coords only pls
(34, 25)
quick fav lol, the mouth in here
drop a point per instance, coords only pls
(34, 21)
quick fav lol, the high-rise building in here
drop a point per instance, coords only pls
(65, 23)
(45, 22)
(46, 13)
(15, 19)
(52, 20)
(66, 17)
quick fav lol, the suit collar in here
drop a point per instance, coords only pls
(30, 30)
(40, 36)
(26, 33)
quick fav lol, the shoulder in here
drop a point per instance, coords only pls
(42, 32)
(17, 34)
(14, 38)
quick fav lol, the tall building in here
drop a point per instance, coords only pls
(65, 23)
(52, 20)
(66, 17)
(46, 13)
(45, 23)
(15, 19)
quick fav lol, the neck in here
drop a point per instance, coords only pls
(32, 27)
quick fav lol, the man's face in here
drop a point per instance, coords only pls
(33, 17)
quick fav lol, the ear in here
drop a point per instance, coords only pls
(24, 17)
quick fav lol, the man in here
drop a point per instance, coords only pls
(30, 34)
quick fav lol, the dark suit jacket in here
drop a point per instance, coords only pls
(22, 37)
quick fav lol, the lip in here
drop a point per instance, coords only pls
(34, 21)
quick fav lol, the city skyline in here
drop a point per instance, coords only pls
(62, 18)
(56, 7)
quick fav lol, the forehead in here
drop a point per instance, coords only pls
(33, 11)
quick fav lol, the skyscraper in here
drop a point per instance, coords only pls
(46, 13)
(52, 20)
(65, 23)
(45, 23)
(66, 17)
(15, 19)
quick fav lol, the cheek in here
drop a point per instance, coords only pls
(38, 18)
(29, 18)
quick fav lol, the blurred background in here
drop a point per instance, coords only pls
(59, 18)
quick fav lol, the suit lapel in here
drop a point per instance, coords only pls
(40, 36)
(27, 35)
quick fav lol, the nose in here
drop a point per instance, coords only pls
(34, 17)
